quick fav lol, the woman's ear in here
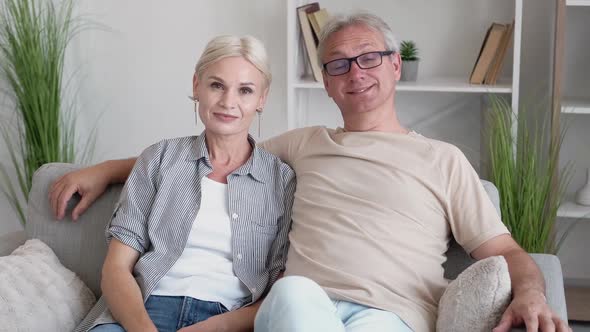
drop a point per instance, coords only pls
(195, 84)
(262, 100)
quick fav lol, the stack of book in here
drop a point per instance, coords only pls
(492, 53)
(311, 20)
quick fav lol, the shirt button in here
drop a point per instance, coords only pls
(253, 290)
(239, 256)
(234, 216)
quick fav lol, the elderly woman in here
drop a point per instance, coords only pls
(199, 234)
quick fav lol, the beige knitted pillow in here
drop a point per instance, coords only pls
(37, 293)
(476, 300)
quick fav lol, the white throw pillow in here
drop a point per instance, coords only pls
(476, 300)
(37, 293)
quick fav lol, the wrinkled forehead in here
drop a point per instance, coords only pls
(353, 40)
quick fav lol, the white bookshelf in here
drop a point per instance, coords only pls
(578, 3)
(436, 84)
(570, 209)
(302, 92)
(571, 105)
(573, 98)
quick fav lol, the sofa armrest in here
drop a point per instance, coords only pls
(554, 289)
(11, 241)
(80, 245)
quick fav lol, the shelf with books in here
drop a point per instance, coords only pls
(570, 209)
(436, 84)
(448, 52)
(571, 105)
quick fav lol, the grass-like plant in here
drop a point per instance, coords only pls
(33, 40)
(408, 51)
(526, 171)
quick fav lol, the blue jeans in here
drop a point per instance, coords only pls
(171, 313)
(297, 304)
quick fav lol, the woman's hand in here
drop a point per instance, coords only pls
(213, 324)
(88, 182)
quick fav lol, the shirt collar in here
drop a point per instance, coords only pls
(255, 165)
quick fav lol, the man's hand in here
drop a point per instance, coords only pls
(216, 323)
(89, 183)
(530, 307)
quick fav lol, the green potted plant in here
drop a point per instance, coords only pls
(410, 60)
(33, 39)
(525, 171)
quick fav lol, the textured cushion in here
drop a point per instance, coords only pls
(476, 300)
(38, 294)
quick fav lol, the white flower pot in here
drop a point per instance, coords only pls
(409, 70)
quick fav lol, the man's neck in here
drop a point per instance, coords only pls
(385, 121)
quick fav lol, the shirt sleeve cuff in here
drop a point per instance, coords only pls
(485, 236)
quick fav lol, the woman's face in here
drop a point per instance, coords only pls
(229, 92)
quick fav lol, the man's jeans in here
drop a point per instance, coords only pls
(298, 304)
(170, 313)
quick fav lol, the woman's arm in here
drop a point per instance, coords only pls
(120, 289)
(89, 183)
(280, 245)
(241, 320)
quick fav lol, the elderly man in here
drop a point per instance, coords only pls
(375, 207)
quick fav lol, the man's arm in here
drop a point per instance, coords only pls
(529, 304)
(120, 289)
(89, 183)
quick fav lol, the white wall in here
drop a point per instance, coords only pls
(135, 72)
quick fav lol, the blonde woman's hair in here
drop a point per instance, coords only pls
(371, 21)
(247, 47)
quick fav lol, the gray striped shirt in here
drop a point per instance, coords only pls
(161, 199)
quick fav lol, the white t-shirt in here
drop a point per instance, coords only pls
(205, 269)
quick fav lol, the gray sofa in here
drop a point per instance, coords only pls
(81, 245)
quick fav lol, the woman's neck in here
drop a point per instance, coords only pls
(226, 154)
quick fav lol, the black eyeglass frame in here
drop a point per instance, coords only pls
(355, 59)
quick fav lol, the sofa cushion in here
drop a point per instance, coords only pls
(476, 300)
(38, 294)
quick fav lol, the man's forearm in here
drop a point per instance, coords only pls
(524, 273)
(125, 301)
(117, 171)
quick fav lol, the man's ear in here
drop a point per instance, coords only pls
(397, 65)
(326, 84)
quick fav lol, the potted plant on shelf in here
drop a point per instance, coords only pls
(33, 39)
(525, 171)
(410, 60)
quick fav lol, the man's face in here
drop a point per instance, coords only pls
(360, 90)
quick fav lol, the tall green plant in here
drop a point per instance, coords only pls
(33, 39)
(525, 170)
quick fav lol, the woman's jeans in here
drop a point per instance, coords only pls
(171, 313)
(297, 304)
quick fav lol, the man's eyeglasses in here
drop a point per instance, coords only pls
(364, 61)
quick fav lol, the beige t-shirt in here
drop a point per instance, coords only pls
(374, 212)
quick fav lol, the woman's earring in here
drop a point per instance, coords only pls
(259, 111)
(196, 103)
